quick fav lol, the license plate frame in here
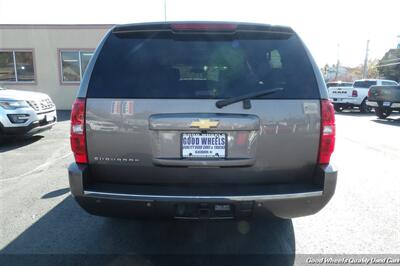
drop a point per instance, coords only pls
(48, 118)
(206, 156)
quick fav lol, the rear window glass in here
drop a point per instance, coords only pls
(389, 83)
(132, 66)
(364, 83)
(339, 84)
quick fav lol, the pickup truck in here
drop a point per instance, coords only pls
(356, 96)
(384, 99)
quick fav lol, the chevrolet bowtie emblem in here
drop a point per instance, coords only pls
(204, 124)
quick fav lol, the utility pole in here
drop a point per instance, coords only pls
(337, 61)
(165, 10)
(365, 72)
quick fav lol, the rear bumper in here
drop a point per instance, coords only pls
(31, 127)
(346, 101)
(372, 104)
(380, 104)
(284, 201)
(27, 130)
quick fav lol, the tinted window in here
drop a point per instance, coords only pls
(364, 83)
(339, 84)
(19, 61)
(70, 66)
(7, 69)
(24, 65)
(167, 67)
(73, 65)
(389, 83)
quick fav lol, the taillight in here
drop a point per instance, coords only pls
(369, 93)
(354, 93)
(328, 131)
(78, 136)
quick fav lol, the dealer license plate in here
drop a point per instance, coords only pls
(196, 145)
(49, 118)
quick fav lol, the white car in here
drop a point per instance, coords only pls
(25, 112)
(355, 96)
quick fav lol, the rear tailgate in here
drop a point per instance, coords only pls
(384, 93)
(340, 93)
(152, 97)
(145, 146)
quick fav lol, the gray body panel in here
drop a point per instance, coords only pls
(278, 141)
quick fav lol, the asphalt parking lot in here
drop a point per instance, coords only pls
(38, 215)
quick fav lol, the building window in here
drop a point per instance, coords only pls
(73, 65)
(17, 66)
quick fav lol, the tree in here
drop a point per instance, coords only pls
(389, 65)
(325, 69)
(373, 72)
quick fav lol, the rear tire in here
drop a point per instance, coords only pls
(337, 108)
(382, 112)
(364, 108)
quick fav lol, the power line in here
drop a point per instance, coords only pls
(391, 64)
(390, 60)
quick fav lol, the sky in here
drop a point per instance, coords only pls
(330, 29)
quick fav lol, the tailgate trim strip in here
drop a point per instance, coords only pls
(97, 194)
(205, 162)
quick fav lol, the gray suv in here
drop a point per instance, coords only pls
(202, 120)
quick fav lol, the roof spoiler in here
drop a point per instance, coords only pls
(201, 27)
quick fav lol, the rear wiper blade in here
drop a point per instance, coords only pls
(228, 101)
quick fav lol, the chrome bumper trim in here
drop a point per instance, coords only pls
(122, 196)
(205, 163)
(41, 128)
(373, 104)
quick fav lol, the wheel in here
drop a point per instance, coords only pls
(337, 108)
(364, 108)
(382, 112)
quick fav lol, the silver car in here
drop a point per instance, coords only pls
(25, 112)
(202, 120)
